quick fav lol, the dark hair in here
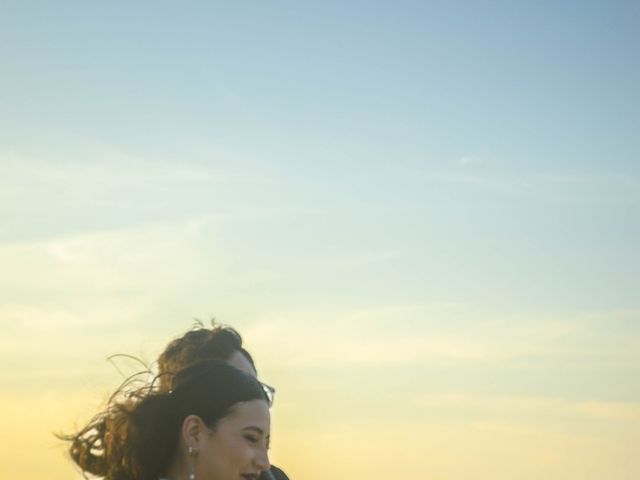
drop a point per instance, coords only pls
(136, 438)
(199, 343)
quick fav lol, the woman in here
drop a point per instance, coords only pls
(218, 342)
(213, 424)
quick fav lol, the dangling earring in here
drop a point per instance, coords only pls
(192, 453)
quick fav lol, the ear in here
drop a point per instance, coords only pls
(193, 429)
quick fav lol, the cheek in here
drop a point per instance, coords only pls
(241, 453)
(232, 455)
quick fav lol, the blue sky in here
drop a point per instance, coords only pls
(434, 201)
(409, 81)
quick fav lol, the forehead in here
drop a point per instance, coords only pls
(254, 413)
(238, 360)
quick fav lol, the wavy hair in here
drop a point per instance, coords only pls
(136, 436)
(199, 343)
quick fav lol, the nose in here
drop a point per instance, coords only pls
(262, 460)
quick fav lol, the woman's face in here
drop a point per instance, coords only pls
(237, 448)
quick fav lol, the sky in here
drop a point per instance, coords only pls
(423, 218)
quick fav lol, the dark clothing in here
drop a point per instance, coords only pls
(274, 473)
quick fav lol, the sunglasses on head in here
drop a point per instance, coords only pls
(269, 391)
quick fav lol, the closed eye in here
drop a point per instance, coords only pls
(255, 434)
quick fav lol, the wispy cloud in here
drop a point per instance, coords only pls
(437, 334)
(452, 340)
(532, 407)
(470, 160)
(119, 258)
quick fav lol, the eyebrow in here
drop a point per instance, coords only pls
(255, 429)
